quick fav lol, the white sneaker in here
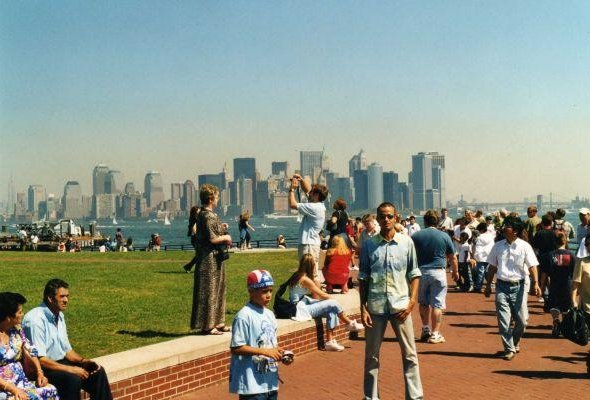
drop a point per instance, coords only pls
(436, 338)
(332, 345)
(354, 326)
(541, 299)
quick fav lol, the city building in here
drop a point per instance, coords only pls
(280, 168)
(189, 197)
(113, 183)
(99, 178)
(392, 190)
(427, 181)
(374, 185)
(153, 189)
(311, 164)
(72, 200)
(361, 189)
(36, 195)
(358, 161)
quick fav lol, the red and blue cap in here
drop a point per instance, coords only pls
(259, 278)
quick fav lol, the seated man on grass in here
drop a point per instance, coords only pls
(45, 327)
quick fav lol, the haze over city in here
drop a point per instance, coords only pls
(500, 89)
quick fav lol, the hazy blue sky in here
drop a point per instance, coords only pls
(502, 89)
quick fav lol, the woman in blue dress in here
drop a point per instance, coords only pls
(16, 352)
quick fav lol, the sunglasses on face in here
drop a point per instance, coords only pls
(388, 216)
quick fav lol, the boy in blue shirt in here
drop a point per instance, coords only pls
(255, 353)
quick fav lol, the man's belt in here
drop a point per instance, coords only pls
(512, 283)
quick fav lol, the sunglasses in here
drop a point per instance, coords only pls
(388, 216)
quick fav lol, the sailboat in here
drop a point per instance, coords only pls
(115, 221)
(166, 220)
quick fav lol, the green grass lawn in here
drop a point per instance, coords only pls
(120, 301)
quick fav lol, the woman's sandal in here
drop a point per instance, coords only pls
(213, 331)
(223, 328)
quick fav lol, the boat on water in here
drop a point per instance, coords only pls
(167, 220)
(115, 221)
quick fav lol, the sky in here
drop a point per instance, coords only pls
(501, 88)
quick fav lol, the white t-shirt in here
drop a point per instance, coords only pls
(483, 246)
(512, 260)
(314, 216)
(412, 228)
(464, 250)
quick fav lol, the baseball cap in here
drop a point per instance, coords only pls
(259, 278)
(584, 210)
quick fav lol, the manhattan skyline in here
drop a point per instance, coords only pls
(500, 88)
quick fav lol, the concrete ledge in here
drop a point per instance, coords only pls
(130, 371)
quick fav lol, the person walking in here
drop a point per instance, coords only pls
(512, 259)
(435, 249)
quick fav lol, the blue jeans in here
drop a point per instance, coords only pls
(324, 308)
(274, 395)
(509, 305)
(404, 331)
(480, 274)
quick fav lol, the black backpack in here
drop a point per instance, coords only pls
(574, 328)
(284, 309)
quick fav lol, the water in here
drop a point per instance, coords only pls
(175, 233)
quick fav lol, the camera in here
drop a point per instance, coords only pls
(287, 357)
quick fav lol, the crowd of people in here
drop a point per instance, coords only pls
(399, 265)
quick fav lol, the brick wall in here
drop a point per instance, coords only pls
(192, 375)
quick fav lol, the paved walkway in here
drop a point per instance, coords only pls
(465, 367)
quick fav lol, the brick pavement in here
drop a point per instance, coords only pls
(464, 367)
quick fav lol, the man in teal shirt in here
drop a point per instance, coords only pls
(388, 286)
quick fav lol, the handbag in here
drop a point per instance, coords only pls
(284, 309)
(573, 327)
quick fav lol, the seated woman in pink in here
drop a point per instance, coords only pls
(337, 265)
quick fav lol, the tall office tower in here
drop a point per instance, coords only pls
(392, 190)
(188, 198)
(280, 168)
(11, 197)
(36, 194)
(72, 200)
(51, 208)
(131, 205)
(279, 203)
(20, 206)
(113, 183)
(428, 175)
(241, 195)
(210, 179)
(99, 178)
(331, 178)
(375, 185)
(103, 206)
(263, 197)
(358, 161)
(129, 188)
(311, 164)
(176, 191)
(153, 189)
(341, 188)
(245, 168)
(361, 185)
(406, 196)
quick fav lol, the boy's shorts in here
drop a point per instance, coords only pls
(274, 395)
(433, 288)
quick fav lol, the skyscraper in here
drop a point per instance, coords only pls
(374, 185)
(280, 168)
(311, 164)
(176, 190)
(358, 161)
(245, 167)
(36, 194)
(99, 177)
(153, 189)
(392, 190)
(188, 198)
(361, 185)
(113, 183)
(72, 200)
(427, 180)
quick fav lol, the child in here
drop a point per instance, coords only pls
(255, 352)
(465, 281)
